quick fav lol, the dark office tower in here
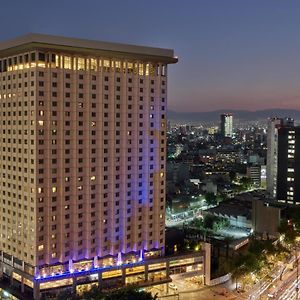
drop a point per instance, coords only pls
(288, 167)
(226, 125)
(274, 124)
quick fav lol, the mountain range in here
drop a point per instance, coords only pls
(213, 116)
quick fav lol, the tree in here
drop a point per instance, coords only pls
(130, 293)
(94, 293)
(295, 218)
(222, 197)
(208, 221)
(288, 232)
(246, 182)
(197, 222)
(67, 295)
(127, 293)
(232, 175)
(211, 199)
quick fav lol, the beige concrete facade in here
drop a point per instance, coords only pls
(82, 151)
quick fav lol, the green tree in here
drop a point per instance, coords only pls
(197, 222)
(67, 295)
(222, 197)
(295, 218)
(288, 232)
(94, 293)
(232, 175)
(130, 293)
(127, 293)
(211, 199)
(246, 182)
(208, 221)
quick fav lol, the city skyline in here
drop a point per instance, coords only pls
(231, 55)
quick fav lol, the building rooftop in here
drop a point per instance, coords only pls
(84, 46)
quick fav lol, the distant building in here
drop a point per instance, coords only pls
(236, 211)
(254, 173)
(288, 165)
(177, 172)
(227, 125)
(283, 160)
(261, 209)
(256, 159)
(212, 130)
(272, 153)
(210, 187)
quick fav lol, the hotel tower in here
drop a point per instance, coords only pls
(82, 154)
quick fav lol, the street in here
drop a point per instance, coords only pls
(282, 285)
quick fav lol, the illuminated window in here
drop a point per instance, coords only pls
(93, 64)
(118, 65)
(147, 70)
(81, 64)
(67, 62)
(56, 61)
(141, 69)
(106, 64)
(129, 67)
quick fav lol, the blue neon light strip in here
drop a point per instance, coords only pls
(86, 272)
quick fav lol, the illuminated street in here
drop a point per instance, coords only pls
(288, 290)
(276, 288)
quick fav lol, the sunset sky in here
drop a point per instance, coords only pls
(233, 54)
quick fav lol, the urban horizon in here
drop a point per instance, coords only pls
(232, 55)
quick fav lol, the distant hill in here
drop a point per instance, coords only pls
(213, 116)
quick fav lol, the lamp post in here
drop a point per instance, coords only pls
(297, 274)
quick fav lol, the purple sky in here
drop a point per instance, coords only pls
(233, 54)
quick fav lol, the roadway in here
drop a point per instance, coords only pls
(288, 289)
(280, 286)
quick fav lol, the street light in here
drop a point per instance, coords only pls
(297, 271)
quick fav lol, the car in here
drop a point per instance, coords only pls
(172, 286)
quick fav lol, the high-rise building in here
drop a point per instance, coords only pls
(82, 151)
(283, 158)
(227, 125)
(272, 149)
(288, 165)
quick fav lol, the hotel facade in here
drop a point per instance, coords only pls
(82, 151)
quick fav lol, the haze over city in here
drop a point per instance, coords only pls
(232, 54)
